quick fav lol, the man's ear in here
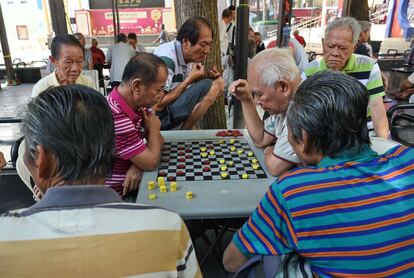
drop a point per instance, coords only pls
(137, 86)
(52, 60)
(45, 164)
(284, 86)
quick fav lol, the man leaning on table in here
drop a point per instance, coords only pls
(80, 228)
(272, 80)
(349, 212)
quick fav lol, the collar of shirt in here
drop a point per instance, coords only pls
(179, 52)
(123, 105)
(77, 196)
(350, 64)
(364, 155)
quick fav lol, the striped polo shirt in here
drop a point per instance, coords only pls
(129, 138)
(363, 68)
(349, 216)
(172, 55)
(86, 231)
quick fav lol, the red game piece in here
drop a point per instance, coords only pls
(165, 159)
(188, 150)
(171, 178)
(180, 173)
(181, 147)
(181, 153)
(180, 166)
(181, 159)
(162, 174)
(206, 169)
(206, 162)
(210, 147)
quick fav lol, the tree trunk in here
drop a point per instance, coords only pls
(359, 10)
(215, 117)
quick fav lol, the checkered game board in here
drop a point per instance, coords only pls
(182, 161)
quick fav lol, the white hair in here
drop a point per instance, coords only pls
(273, 65)
(345, 22)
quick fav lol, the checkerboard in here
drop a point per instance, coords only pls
(194, 164)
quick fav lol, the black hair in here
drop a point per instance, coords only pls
(331, 108)
(144, 66)
(226, 13)
(191, 28)
(60, 40)
(74, 123)
(132, 36)
(121, 37)
(232, 7)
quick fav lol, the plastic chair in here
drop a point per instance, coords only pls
(93, 74)
(401, 122)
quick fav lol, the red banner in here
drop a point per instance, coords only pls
(139, 21)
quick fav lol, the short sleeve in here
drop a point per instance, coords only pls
(171, 68)
(269, 231)
(375, 86)
(270, 125)
(411, 78)
(283, 149)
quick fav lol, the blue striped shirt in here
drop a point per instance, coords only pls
(349, 216)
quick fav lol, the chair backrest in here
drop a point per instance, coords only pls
(92, 74)
(401, 121)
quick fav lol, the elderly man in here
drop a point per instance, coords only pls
(362, 46)
(137, 130)
(67, 58)
(117, 57)
(341, 36)
(349, 213)
(272, 80)
(188, 94)
(80, 227)
(87, 58)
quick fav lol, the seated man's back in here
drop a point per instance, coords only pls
(80, 228)
(349, 215)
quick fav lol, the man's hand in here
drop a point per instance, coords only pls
(2, 161)
(240, 89)
(151, 121)
(213, 73)
(132, 179)
(196, 73)
(37, 193)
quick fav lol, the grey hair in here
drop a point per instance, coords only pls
(74, 124)
(347, 22)
(365, 25)
(273, 65)
(331, 107)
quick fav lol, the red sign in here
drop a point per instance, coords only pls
(139, 21)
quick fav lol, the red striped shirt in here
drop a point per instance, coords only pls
(129, 138)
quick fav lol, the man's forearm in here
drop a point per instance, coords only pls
(172, 95)
(379, 117)
(254, 124)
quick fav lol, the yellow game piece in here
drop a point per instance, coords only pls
(212, 153)
(160, 180)
(245, 176)
(240, 151)
(204, 154)
(189, 195)
(163, 189)
(152, 196)
(255, 166)
(232, 141)
(230, 163)
(233, 149)
(222, 161)
(254, 160)
(221, 142)
(223, 168)
(203, 149)
(151, 185)
(250, 154)
(173, 186)
(224, 175)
